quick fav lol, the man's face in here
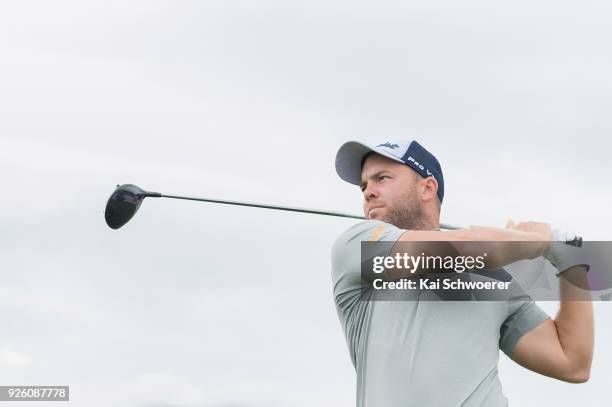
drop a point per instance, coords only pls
(390, 192)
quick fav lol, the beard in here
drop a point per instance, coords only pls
(406, 213)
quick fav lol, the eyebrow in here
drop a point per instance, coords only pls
(376, 174)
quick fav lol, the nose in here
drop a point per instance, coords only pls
(370, 192)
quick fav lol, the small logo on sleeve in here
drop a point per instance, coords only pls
(377, 233)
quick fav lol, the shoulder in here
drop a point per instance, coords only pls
(367, 231)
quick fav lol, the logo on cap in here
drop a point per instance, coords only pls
(389, 145)
(421, 167)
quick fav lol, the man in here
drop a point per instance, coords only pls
(445, 353)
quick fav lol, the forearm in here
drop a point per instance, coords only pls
(503, 246)
(574, 321)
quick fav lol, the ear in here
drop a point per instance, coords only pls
(429, 189)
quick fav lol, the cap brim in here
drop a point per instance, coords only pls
(349, 159)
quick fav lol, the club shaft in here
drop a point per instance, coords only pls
(280, 208)
(574, 241)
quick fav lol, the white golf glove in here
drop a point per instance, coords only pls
(564, 256)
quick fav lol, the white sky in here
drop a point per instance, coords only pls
(193, 304)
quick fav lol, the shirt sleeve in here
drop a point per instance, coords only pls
(346, 257)
(346, 276)
(523, 315)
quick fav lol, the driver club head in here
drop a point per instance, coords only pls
(123, 204)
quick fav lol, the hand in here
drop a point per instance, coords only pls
(535, 232)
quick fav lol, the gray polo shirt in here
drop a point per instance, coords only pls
(423, 353)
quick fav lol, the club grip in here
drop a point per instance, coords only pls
(569, 238)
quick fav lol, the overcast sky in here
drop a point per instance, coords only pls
(195, 304)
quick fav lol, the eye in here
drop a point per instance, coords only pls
(382, 177)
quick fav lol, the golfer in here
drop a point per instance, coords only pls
(445, 353)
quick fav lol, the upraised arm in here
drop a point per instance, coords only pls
(562, 348)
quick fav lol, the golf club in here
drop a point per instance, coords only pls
(126, 199)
